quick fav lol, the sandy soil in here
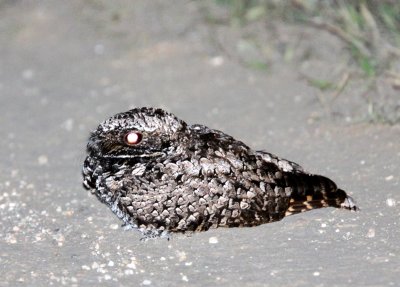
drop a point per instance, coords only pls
(67, 65)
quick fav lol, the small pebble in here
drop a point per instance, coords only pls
(371, 233)
(388, 178)
(213, 240)
(128, 272)
(107, 277)
(68, 124)
(131, 265)
(11, 239)
(114, 226)
(146, 282)
(181, 255)
(390, 202)
(347, 236)
(42, 160)
(216, 61)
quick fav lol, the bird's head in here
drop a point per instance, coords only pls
(138, 133)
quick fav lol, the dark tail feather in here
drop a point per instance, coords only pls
(314, 191)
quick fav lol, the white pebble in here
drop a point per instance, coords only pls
(42, 160)
(371, 233)
(128, 272)
(216, 61)
(213, 240)
(316, 273)
(388, 178)
(390, 202)
(347, 236)
(146, 282)
(68, 124)
(114, 226)
(10, 238)
(107, 277)
(181, 255)
(110, 263)
(85, 267)
(184, 278)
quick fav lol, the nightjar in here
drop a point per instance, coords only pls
(160, 175)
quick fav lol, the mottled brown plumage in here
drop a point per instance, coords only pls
(160, 175)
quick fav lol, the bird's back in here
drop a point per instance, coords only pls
(307, 191)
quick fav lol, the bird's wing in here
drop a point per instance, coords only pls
(283, 164)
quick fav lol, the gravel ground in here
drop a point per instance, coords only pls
(67, 65)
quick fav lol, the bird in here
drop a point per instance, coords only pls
(160, 175)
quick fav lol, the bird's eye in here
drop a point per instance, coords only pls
(132, 138)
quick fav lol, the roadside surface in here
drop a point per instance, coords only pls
(66, 66)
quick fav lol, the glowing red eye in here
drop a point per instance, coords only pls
(132, 138)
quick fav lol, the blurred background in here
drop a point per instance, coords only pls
(317, 82)
(344, 55)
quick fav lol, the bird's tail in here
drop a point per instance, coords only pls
(315, 191)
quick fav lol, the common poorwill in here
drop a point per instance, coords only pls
(159, 175)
